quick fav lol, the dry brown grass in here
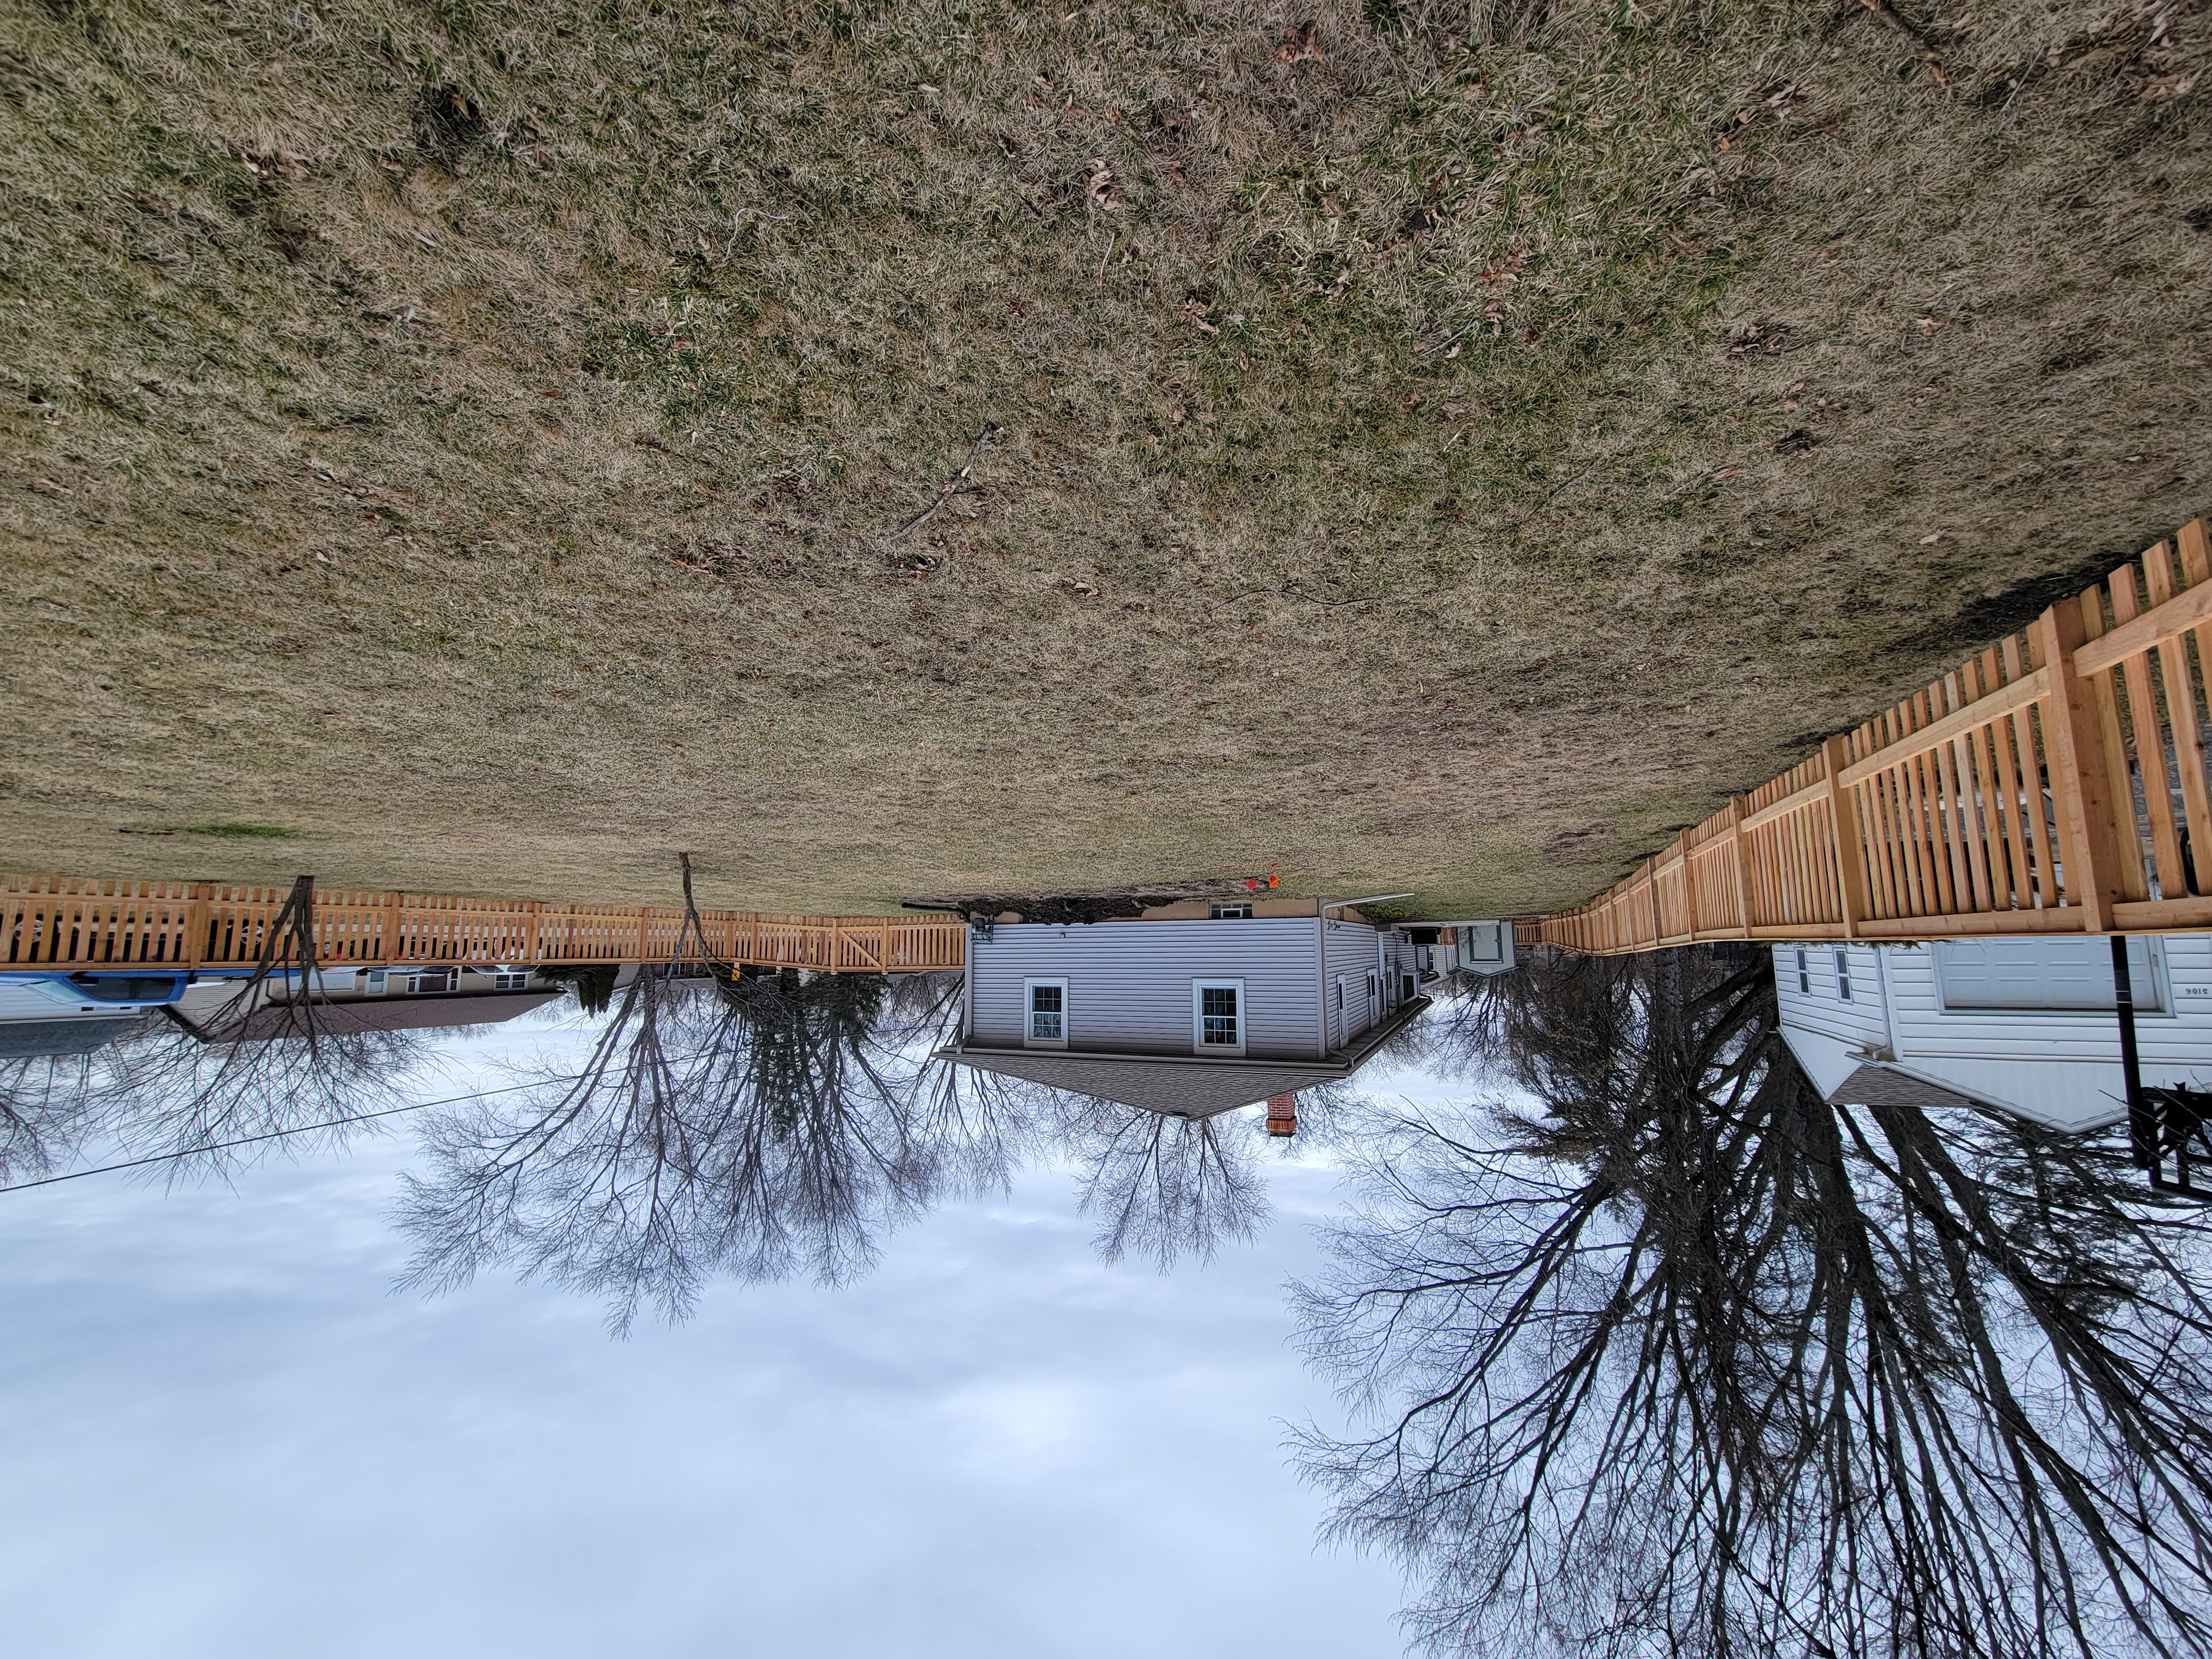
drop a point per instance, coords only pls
(1439, 451)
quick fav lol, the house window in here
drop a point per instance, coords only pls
(434, 979)
(1370, 992)
(1409, 987)
(1044, 1016)
(1843, 977)
(1217, 1017)
(373, 982)
(1804, 976)
(1230, 912)
(511, 982)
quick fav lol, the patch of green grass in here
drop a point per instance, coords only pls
(224, 831)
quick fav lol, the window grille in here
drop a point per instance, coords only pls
(1047, 1012)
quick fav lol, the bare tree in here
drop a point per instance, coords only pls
(1694, 1363)
(273, 1058)
(756, 1124)
(970, 1127)
(1161, 1186)
(48, 1106)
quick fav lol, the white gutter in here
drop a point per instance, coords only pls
(1372, 898)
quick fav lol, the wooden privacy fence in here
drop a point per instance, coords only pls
(2054, 784)
(56, 921)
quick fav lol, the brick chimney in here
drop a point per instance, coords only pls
(1282, 1115)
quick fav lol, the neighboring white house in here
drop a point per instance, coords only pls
(1186, 1015)
(408, 997)
(2028, 1025)
(1477, 947)
(65, 1012)
(62, 1013)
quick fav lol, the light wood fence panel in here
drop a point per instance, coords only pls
(2056, 782)
(56, 921)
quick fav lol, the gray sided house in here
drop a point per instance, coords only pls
(1186, 1015)
(2028, 1025)
(1477, 947)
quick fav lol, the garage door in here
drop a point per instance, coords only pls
(2042, 974)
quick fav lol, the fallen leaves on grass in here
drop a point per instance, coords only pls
(1099, 187)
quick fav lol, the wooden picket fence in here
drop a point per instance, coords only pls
(2054, 784)
(56, 921)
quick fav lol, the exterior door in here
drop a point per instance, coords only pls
(2044, 975)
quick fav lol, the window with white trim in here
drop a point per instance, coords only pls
(1230, 912)
(1217, 1017)
(1843, 977)
(1044, 1013)
(431, 980)
(1804, 975)
(511, 982)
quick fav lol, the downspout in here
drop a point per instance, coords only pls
(1372, 898)
(1320, 978)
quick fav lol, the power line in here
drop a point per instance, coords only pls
(278, 1134)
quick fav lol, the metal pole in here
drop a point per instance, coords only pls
(2142, 1127)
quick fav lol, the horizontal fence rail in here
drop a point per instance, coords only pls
(2054, 784)
(53, 922)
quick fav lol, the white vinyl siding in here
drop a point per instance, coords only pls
(2059, 1064)
(1820, 1005)
(1129, 982)
(2182, 1035)
(1352, 957)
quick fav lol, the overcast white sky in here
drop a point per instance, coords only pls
(228, 1438)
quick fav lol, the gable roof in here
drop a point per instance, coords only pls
(1180, 1085)
(1884, 1085)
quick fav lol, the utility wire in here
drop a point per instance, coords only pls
(278, 1134)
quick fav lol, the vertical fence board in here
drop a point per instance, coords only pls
(1935, 813)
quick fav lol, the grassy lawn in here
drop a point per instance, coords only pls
(1408, 446)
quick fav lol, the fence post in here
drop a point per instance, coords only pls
(393, 904)
(1843, 826)
(196, 924)
(2080, 773)
(1742, 867)
(1689, 886)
